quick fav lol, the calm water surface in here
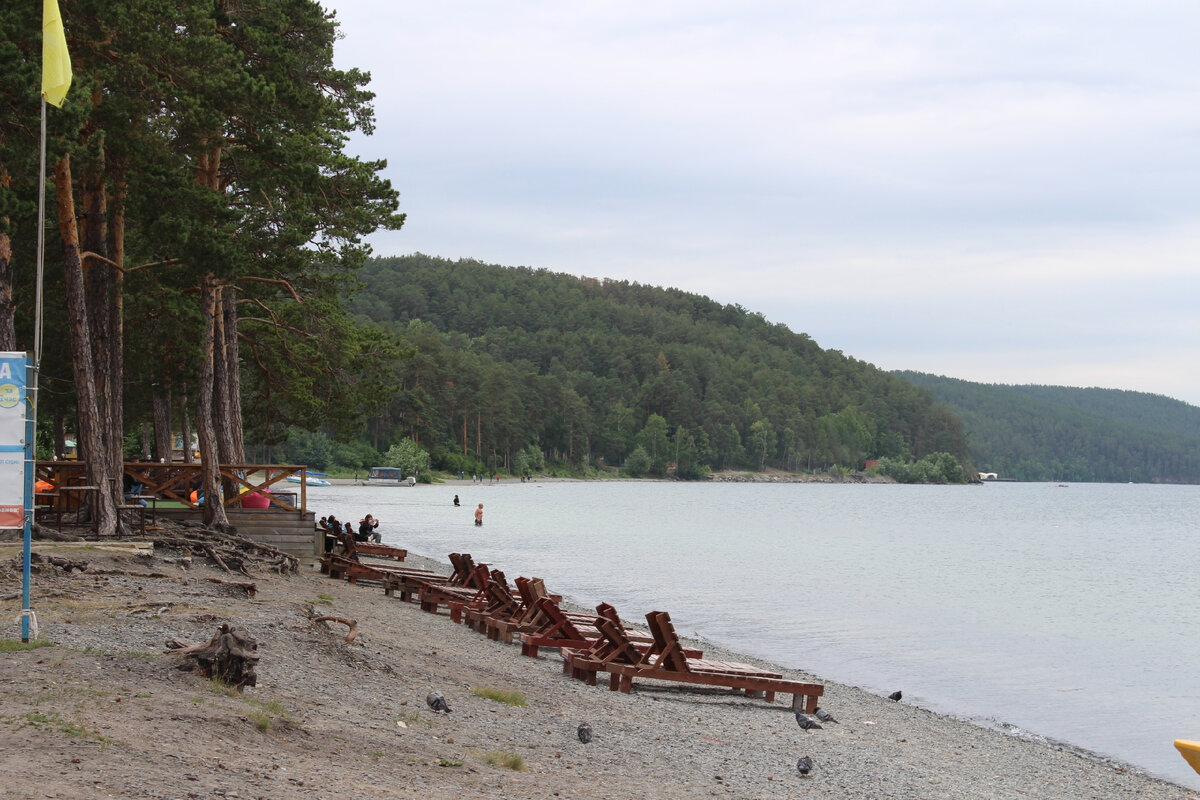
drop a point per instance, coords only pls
(1068, 612)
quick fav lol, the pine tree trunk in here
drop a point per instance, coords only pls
(8, 309)
(214, 510)
(116, 354)
(233, 383)
(100, 296)
(161, 404)
(185, 429)
(227, 405)
(90, 440)
(225, 385)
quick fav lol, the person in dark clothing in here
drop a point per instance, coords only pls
(367, 529)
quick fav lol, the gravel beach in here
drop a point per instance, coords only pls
(103, 712)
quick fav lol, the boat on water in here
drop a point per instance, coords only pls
(389, 476)
(1190, 752)
(311, 479)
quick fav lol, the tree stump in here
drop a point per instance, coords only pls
(230, 656)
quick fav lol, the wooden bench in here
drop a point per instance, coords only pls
(666, 661)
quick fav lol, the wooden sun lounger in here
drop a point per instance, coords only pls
(352, 549)
(500, 605)
(349, 566)
(559, 630)
(432, 596)
(530, 618)
(615, 645)
(667, 662)
(409, 586)
(342, 568)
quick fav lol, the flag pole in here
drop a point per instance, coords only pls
(31, 381)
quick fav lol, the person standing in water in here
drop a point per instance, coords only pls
(479, 514)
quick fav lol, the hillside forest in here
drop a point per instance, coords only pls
(507, 368)
(1041, 433)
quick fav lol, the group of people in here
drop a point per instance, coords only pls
(479, 511)
(368, 529)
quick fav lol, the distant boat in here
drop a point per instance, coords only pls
(309, 480)
(1190, 752)
(389, 476)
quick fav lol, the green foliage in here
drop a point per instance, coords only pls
(1042, 433)
(314, 450)
(509, 697)
(591, 369)
(16, 645)
(409, 456)
(653, 440)
(638, 463)
(160, 93)
(499, 758)
(529, 462)
(933, 468)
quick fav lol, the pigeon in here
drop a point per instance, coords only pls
(896, 696)
(824, 715)
(437, 702)
(804, 765)
(585, 732)
(806, 722)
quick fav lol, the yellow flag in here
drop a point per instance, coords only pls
(56, 61)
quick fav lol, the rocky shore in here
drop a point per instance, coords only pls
(104, 712)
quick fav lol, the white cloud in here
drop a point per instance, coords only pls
(1028, 167)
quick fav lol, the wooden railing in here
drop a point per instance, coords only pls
(176, 482)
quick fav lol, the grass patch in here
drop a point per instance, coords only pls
(262, 713)
(448, 762)
(323, 600)
(16, 645)
(499, 758)
(52, 722)
(261, 719)
(510, 697)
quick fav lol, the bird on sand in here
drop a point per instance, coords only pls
(804, 765)
(896, 696)
(585, 732)
(806, 722)
(823, 715)
(437, 702)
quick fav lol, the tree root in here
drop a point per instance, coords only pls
(230, 552)
(231, 656)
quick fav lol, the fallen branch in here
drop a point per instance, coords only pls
(213, 555)
(249, 588)
(350, 623)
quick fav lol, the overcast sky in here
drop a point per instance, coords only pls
(1004, 192)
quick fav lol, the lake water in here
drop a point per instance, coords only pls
(1066, 612)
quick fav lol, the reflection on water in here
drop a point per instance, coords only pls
(1062, 610)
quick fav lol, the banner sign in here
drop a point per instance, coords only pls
(12, 440)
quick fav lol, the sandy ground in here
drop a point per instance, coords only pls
(103, 712)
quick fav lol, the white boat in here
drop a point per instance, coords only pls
(309, 480)
(389, 476)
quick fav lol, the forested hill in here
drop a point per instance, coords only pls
(1064, 433)
(588, 370)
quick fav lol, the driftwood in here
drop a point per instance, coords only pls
(249, 588)
(230, 656)
(350, 623)
(230, 552)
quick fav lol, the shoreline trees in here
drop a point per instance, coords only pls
(203, 195)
